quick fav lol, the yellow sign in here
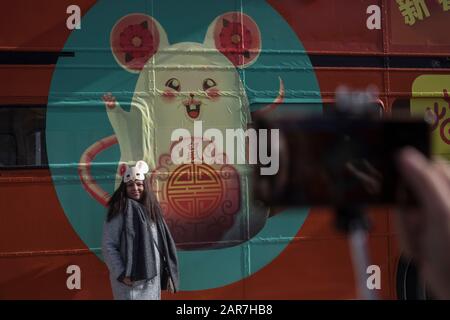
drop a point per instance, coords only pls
(431, 99)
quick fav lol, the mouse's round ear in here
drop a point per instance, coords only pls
(142, 166)
(122, 169)
(134, 39)
(236, 36)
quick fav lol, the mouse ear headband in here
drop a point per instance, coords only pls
(134, 173)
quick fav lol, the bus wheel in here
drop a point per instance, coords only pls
(409, 285)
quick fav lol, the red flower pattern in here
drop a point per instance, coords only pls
(136, 41)
(236, 39)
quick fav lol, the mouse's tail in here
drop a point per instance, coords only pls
(84, 169)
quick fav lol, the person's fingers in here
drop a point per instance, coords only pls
(420, 176)
(374, 172)
(443, 168)
(127, 282)
(410, 223)
(413, 167)
(357, 173)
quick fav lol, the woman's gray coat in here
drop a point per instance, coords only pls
(112, 252)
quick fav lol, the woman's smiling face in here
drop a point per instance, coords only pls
(135, 189)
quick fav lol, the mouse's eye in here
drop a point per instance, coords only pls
(173, 83)
(208, 83)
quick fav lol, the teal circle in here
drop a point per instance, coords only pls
(76, 118)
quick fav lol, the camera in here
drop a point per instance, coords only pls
(336, 160)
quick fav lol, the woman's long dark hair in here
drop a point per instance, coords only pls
(116, 204)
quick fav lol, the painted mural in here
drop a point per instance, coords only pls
(77, 104)
(173, 77)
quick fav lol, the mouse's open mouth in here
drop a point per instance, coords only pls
(193, 110)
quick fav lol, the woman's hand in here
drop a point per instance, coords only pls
(425, 231)
(127, 281)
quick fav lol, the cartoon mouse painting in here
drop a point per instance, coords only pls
(205, 205)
